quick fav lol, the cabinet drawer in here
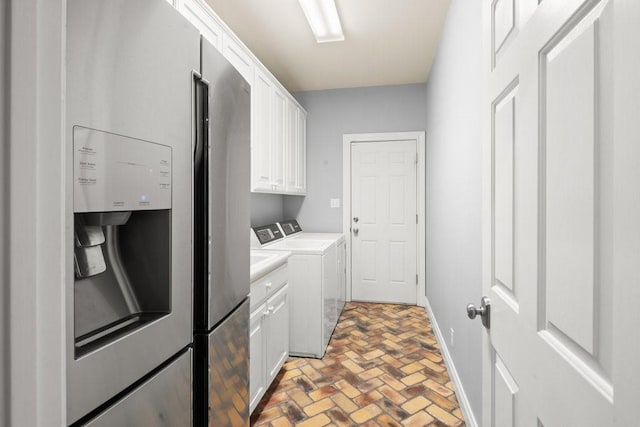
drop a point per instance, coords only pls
(267, 285)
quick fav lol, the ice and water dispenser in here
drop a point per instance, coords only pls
(122, 236)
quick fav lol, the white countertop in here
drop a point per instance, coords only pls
(264, 262)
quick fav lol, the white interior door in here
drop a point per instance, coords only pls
(553, 250)
(383, 221)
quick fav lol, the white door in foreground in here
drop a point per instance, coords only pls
(561, 213)
(383, 215)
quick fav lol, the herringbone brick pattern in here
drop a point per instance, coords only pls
(383, 367)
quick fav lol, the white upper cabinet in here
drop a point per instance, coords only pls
(290, 146)
(261, 134)
(296, 149)
(301, 151)
(278, 123)
(278, 152)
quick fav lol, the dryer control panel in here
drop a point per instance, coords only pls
(268, 233)
(290, 227)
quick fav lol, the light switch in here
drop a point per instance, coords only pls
(335, 203)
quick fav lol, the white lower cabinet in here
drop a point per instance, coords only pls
(268, 331)
(277, 340)
(257, 368)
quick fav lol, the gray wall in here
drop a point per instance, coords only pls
(454, 192)
(4, 282)
(266, 209)
(332, 113)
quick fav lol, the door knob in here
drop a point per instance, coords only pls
(356, 219)
(484, 311)
(355, 231)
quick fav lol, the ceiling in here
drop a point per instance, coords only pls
(387, 42)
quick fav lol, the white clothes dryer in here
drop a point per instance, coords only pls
(292, 230)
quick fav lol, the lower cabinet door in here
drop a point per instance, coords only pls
(257, 370)
(277, 332)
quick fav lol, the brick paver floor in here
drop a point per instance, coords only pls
(383, 367)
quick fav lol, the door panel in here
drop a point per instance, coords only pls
(549, 192)
(571, 185)
(383, 177)
(505, 396)
(504, 150)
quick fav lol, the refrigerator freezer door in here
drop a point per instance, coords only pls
(229, 176)
(163, 400)
(129, 73)
(227, 376)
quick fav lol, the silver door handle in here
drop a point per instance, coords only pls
(484, 311)
(355, 231)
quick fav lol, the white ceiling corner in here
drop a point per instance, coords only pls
(386, 42)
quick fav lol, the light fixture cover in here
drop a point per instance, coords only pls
(323, 19)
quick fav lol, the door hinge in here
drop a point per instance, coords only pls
(416, 218)
(416, 279)
(417, 158)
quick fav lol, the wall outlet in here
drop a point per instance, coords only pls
(335, 203)
(451, 337)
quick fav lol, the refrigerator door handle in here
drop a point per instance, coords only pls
(201, 198)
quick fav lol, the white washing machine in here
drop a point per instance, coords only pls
(292, 230)
(313, 288)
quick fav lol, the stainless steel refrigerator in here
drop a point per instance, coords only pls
(158, 161)
(221, 255)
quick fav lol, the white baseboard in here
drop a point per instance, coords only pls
(469, 417)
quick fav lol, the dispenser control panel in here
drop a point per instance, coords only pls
(117, 173)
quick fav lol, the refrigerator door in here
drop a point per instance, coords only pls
(229, 166)
(129, 74)
(163, 400)
(222, 400)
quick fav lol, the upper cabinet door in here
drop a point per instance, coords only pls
(279, 136)
(203, 18)
(237, 54)
(261, 134)
(301, 153)
(296, 161)
(291, 146)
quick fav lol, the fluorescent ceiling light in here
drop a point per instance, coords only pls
(323, 19)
